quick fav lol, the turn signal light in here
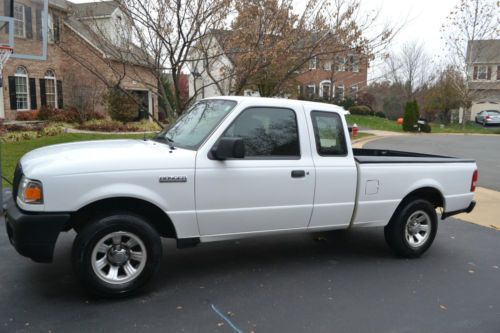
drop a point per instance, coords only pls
(33, 193)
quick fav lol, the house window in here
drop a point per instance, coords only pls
(354, 91)
(353, 63)
(498, 73)
(339, 64)
(22, 93)
(327, 66)
(482, 73)
(313, 62)
(311, 90)
(51, 89)
(339, 92)
(19, 20)
(325, 90)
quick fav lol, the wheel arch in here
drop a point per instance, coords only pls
(429, 193)
(157, 217)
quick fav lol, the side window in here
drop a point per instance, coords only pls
(267, 133)
(329, 134)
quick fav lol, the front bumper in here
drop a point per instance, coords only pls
(465, 210)
(34, 235)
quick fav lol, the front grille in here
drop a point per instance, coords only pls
(17, 178)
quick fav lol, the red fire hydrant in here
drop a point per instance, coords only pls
(355, 130)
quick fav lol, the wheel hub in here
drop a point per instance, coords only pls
(418, 229)
(118, 255)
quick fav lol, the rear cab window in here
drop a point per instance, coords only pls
(329, 133)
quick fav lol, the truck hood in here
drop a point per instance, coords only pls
(104, 156)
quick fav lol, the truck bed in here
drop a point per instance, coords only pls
(370, 156)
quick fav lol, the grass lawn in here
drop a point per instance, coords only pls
(376, 123)
(12, 151)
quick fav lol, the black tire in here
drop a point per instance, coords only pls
(396, 231)
(121, 224)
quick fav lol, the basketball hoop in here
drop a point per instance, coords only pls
(5, 52)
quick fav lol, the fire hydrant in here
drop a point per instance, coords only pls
(355, 130)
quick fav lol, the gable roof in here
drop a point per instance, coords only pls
(93, 9)
(131, 54)
(483, 51)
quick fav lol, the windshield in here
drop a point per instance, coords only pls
(197, 123)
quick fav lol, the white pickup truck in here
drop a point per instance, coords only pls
(230, 167)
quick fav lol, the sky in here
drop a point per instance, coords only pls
(421, 19)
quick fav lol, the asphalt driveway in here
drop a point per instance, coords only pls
(485, 149)
(332, 282)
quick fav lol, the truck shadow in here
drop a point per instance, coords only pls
(209, 262)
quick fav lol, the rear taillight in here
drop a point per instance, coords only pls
(487, 117)
(474, 181)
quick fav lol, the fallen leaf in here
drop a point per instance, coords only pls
(179, 307)
(443, 307)
(471, 271)
(495, 267)
(220, 324)
(230, 314)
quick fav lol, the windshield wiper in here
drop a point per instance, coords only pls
(170, 142)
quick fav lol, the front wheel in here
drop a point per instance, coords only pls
(412, 229)
(116, 254)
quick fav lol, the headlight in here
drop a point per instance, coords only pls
(30, 191)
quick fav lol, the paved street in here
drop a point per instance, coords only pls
(485, 149)
(339, 282)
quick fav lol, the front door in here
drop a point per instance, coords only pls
(271, 189)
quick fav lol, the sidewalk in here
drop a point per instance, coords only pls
(487, 210)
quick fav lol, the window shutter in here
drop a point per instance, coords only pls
(474, 75)
(29, 28)
(12, 92)
(60, 94)
(32, 94)
(489, 73)
(498, 73)
(56, 28)
(43, 95)
(38, 14)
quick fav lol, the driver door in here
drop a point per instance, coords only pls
(271, 189)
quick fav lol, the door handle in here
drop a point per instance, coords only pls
(298, 173)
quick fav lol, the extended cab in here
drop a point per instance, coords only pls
(230, 167)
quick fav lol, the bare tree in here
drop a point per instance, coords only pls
(169, 29)
(409, 67)
(470, 21)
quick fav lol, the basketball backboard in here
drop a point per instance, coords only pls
(24, 26)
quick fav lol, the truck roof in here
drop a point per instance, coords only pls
(267, 101)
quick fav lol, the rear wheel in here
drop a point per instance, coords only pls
(117, 254)
(412, 229)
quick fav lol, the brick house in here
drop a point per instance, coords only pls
(321, 79)
(80, 66)
(333, 79)
(483, 64)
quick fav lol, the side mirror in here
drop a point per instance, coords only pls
(228, 148)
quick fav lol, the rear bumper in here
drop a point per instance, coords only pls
(34, 235)
(466, 210)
